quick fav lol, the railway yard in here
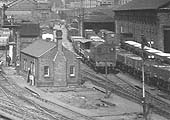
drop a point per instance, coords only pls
(100, 97)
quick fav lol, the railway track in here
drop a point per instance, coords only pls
(19, 103)
(21, 108)
(125, 89)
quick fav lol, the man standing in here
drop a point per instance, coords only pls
(1, 69)
(28, 77)
(8, 60)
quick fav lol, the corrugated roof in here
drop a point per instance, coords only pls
(143, 4)
(38, 48)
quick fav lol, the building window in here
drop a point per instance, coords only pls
(25, 64)
(32, 68)
(72, 71)
(46, 71)
(121, 29)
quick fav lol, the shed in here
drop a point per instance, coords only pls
(50, 64)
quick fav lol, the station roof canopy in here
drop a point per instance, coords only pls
(143, 5)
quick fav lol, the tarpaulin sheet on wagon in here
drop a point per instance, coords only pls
(134, 61)
(121, 56)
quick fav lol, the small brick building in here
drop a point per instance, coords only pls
(50, 64)
(148, 17)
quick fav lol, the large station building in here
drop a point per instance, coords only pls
(148, 17)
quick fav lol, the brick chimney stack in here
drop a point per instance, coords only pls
(59, 34)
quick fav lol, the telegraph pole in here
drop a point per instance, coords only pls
(13, 27)
(81, 18)
(4, 7)
(143, 43)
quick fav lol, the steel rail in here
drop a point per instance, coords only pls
(55, 115)
(128, 91)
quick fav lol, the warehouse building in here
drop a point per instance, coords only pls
(147, 17)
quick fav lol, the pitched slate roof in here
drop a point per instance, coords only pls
(29, 30)
(38, 48)
(14, 2)
(97, 16)
(143, 5)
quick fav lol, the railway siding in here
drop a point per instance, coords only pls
(33, 106)
(128, 91)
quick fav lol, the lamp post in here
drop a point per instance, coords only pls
(143, 44)
(81, 17)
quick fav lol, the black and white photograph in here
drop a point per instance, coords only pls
(85, 60)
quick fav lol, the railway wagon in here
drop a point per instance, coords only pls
(80, 44)
(88, 33)
(128, 62)
(161, 76)
(72, 32)
(156, 73)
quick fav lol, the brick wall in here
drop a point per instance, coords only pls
(142, 22)
(72, 61)
(60, 70)
(46, 60)
(59, 66)
(29, 60)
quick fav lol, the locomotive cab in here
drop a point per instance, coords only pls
(104, 56)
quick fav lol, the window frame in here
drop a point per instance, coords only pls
(72, 71)
(32, 67)
(25, 67)
(48, 71)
